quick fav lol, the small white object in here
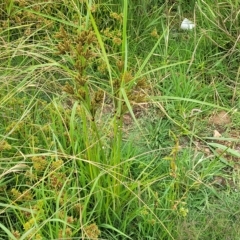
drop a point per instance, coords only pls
(216, 134)
(187, 24)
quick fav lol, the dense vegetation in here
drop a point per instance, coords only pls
(117, 124)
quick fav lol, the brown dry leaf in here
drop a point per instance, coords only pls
(216, 134)
(221, 118)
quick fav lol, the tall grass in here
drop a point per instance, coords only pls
(71, 72)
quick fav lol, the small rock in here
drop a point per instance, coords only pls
(216, 134)
(207, 151)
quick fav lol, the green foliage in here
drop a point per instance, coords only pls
(104, 106)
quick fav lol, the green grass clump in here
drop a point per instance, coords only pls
(117, 124)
